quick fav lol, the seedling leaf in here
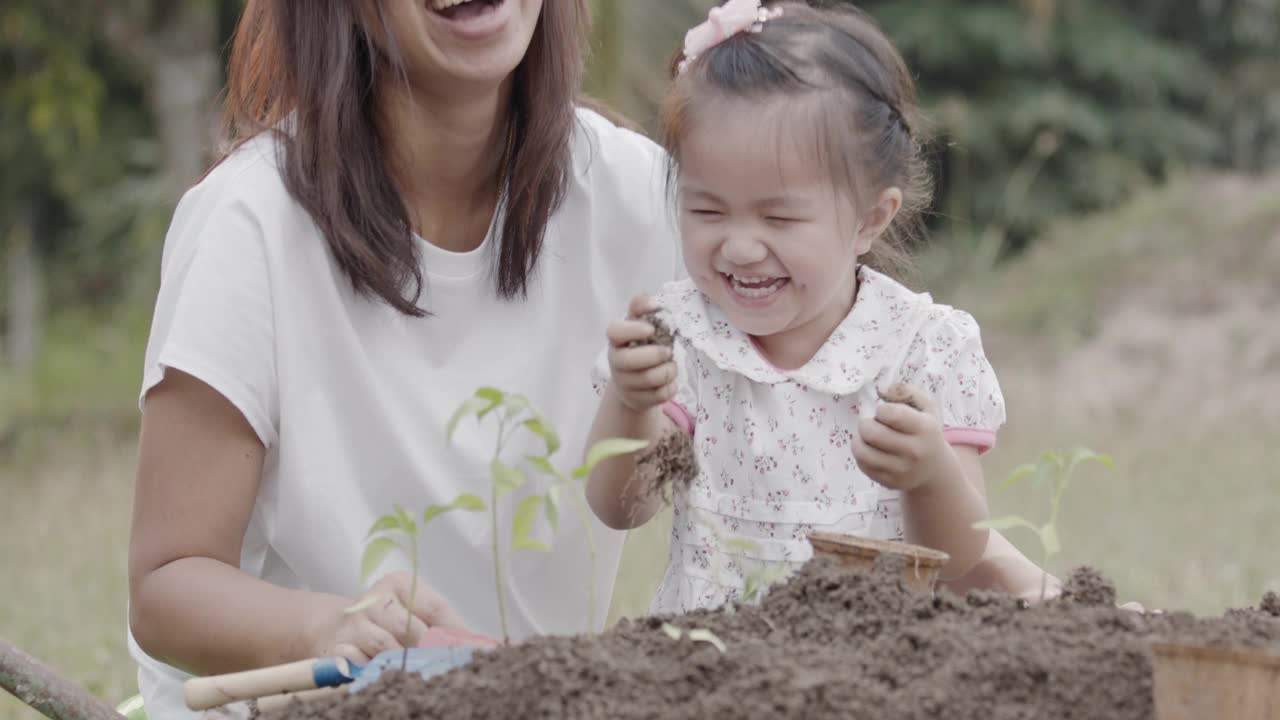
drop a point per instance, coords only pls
(1049, 539)
(470, 503)
(706, 636)
(542, 465)
(672, 631)
(742, 545)
(471, 406)
(542, 429)
(383, 524)
(522, 523)
(374, 553)
(528, 544)
(406, 523)
(364, 604)
(606, 449)
(1006, 523)
(516, 403)
(505, 477)
(553, 508)
(1020, 472)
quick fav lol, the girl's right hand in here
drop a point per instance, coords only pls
(644, 376)
(381, 621)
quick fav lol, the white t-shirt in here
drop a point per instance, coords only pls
(351, 398)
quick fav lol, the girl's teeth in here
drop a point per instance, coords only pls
(756, 287)
(446, 4)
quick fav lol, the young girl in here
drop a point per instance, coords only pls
(798, 176)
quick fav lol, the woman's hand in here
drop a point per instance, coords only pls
(644, 375)
(903, 447)
(378, 622)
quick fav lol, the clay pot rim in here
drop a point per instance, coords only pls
(842, 544)
(1216, 653)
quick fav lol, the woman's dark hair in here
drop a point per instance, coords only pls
(832, 69)
(316, 64)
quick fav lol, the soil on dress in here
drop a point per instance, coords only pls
(830, 643)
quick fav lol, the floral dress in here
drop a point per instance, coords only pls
(774, 447)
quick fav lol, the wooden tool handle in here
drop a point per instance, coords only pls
(275, 702)
(217, 690)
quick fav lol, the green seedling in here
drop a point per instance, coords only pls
(755, 584)
(1054, 469)
(381, 541)
(696, 635)
(515, 414)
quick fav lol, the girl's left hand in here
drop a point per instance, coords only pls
(902, 447)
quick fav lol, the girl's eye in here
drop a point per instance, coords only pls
(704, 212)
(783, 220)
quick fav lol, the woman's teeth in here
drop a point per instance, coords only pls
(446, 4)
(756, 287)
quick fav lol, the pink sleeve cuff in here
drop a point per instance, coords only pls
(983, 440)
(678, 415)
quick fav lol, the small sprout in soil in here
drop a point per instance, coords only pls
(515, 413)
(380, 542)
(1055, 469)
(695, 635)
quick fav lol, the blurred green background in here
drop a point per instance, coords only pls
(1108, 207)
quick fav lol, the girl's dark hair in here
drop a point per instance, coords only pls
(316, 65)
(834, 70)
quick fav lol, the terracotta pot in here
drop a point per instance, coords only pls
(1197, 682)
(922, 564)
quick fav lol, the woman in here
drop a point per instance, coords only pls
(413, 207)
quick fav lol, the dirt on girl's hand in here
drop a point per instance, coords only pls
(662, 334)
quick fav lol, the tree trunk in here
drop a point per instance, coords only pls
(184, 76)
(25, 283)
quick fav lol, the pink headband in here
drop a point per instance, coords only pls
(722, 23)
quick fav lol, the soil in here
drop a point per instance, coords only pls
(662, 334)
(668, 466)
(831, 642)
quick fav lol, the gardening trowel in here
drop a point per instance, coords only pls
(440, 651)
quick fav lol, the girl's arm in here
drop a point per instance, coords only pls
(642, 376)
(612, 490)
(941, 512)
(199, 467)
(904, 448)
(1003, 567)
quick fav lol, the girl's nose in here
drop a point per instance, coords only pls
(742, 249)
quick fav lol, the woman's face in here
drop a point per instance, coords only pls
(469, 42)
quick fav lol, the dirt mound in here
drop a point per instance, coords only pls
(829, 643)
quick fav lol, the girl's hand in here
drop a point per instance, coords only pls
(381, 621)
(902, 447)
(644, 376)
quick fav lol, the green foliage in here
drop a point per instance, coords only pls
(1055, 470)
(514, 412)
(380, 543)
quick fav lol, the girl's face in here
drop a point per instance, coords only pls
(766, 234)
(473, 42)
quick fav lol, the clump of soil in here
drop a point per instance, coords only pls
(1270, 604)
(662, 334)
(669, 465)
(1088, 587)
(832, 642)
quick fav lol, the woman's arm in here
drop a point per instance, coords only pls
(199, 467)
